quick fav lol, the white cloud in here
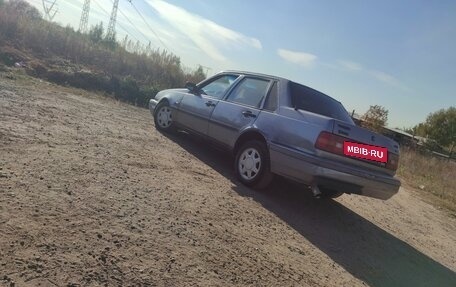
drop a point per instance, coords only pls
(207, 35)
(300, 58)
(383, 77)
(388, 79)
(350, 65)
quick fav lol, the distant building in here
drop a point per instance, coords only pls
(405, 139)
(401, 137)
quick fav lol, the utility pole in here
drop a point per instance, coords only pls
(112, 22)
(48, 6)
(84, 17)
(207, 69)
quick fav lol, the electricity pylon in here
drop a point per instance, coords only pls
(84, 17)
(47, 7)
(112, 22)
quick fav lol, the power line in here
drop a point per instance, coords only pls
(134, 26)
(156, 35)
(120, 26)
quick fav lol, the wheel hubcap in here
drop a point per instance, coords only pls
(164, 117)
(249, 164)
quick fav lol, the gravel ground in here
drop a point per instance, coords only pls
(92, 195)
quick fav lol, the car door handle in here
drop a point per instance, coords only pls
(210, 104)
(248, 114)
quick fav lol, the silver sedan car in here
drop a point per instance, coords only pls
(276, 126)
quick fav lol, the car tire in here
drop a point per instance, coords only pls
(252, 165)
(163, 117)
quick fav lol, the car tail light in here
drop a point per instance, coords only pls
(393, 161)
(330, 142)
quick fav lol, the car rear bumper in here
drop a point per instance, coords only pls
(312, 170)
(356, 184)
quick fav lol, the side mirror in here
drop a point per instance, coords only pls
(192, 87)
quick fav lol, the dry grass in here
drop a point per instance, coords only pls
(434, 178)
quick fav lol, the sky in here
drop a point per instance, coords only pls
(397, 54)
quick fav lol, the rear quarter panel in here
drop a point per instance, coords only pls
(293, 129)
(290, 132)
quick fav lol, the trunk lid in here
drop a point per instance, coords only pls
(364, 136)
(361, 135)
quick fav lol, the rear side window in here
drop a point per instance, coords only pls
(249, 92)
(305, 98)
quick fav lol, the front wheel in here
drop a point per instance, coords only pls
(163, 117)
(252, 165)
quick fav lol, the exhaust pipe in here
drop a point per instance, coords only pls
(316, 191)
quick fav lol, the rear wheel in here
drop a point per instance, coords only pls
(163, 117)
(252, 165)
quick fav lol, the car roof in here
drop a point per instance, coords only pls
(252, 74)
(275, 78)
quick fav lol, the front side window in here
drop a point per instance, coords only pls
(249, 92)
(219, 86)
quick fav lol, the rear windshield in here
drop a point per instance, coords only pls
(305, 98)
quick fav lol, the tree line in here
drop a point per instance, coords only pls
(439, 126)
